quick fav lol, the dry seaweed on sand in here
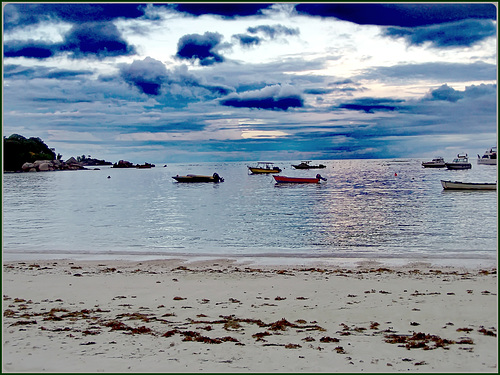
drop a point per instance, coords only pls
(418, 340)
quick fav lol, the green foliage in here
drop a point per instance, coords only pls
(19, 150)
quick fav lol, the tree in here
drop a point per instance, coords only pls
(19, 150)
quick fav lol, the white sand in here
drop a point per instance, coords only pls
(61, 316)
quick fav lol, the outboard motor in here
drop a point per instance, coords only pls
(321, 178)
(217, 178)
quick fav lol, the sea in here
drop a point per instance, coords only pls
(383, 209)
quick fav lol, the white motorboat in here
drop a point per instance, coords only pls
(456, 185)
(489, 157)
(460, 162)
(437, 162)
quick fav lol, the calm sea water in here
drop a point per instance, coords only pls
(364, 210)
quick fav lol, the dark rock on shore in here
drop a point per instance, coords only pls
(127, 164)
(51, 165)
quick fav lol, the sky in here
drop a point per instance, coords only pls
(209, 82)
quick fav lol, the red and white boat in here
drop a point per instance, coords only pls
(299, 180)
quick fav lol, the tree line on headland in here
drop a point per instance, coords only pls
(33, 155)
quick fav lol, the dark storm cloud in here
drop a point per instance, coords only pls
(147, 75)
(90, 39)
(446, 93)
(271, 97)
(247, 40)
(449, 94)
(96, 39)
(152, 78)
(371, 105)
(476, 91)
(22, 15)
(226, 10)
(403, 15)
(273, 31)
(438, 71)
(30, 49)
(455, 34)
(265, 103)
(203, 48)
(182, 78)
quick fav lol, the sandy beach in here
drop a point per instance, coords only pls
(221, 315)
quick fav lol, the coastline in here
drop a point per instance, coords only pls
(236, 315)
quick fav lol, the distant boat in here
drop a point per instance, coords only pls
(299, 180)
(460, 162)
(489, 157)
(456, 185)
(264, 167)
(437, 162)
(145, 166)
(198, 178)
(305, 165)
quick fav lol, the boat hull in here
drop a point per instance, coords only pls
(321, 166)
(198, 178)
(264, 170)
(486, 161)
(456, 185)
(489, 157)
(433, 165)
(296, 180)
(458, 165)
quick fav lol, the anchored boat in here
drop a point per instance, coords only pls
(198, 178)
(299, 180)
(264, 167)
(460, 162)
(489, 157)
(437, 162)
(306, 165)
(456, 185)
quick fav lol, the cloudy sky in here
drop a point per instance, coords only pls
(180, 82)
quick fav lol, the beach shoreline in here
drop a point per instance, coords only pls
(249, 315)
(271, 259)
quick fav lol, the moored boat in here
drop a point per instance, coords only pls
(299, 180)
(460, 162)
(145, 166)
(198, 178)
(489, 157)
(305, 164)
(457, 185)
(264, 167)
(437, 162)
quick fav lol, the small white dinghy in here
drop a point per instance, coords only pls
(456, 185)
